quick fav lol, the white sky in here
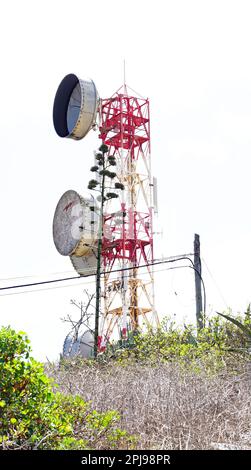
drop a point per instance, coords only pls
(192, 59)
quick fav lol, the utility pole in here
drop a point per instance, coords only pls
(198, 282)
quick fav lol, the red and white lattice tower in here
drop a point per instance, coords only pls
(127, 291)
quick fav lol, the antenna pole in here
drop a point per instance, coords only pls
(197, 274)
(124, 77)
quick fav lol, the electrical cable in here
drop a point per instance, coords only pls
(39, 290)
(215, 283)
(203, 285)
(41, 283)
(112, 271)
(171, 260)
(33, 276)
(85, 283)
(70, 271)
(202, 281)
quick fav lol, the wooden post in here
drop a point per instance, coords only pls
(197, 273)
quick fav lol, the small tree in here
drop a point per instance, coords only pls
(104, 161)
(85, 319)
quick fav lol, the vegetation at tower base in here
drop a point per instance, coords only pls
(170, 389)
(243, 324)
(173, 389)
(34, 416)
(218, 345)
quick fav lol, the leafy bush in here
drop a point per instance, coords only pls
(209, 348)
(33, 416)
(243, 326)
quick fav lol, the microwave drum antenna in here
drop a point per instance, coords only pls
(75, 107)
(85, 265)
(82, 345)
(75, 225)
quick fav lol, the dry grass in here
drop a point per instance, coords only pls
(165, 407)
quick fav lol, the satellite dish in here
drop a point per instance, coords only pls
(85, 265)
(75, 224)
(75, 107)
(82, 345)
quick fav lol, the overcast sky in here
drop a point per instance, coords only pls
(192, 59)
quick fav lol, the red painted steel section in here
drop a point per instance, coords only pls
(125, 126)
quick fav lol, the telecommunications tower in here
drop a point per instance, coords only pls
(128, 297)
(123, 120)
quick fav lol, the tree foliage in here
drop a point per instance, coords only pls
(33, 416)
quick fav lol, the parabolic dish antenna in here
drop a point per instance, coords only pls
(82, 345)
(75, 225)
(75, 107)
(85, 265)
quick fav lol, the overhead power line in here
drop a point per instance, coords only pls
(41, 283)
(215, 283)
(51, 281)
(30, 276)
(85, 283)
(172, 259)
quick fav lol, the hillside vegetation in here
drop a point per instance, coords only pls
(170, 389)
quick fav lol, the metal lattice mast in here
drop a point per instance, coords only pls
(128, 294)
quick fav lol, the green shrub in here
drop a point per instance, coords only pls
(208, 349)
(243, 328)
(32, 415)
